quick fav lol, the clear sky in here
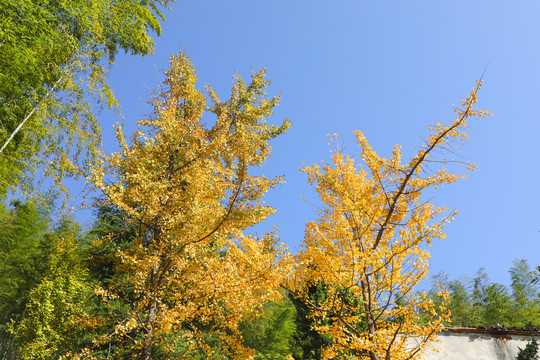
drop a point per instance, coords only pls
(390, 69)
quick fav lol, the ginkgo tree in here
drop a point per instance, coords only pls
(186, 187)
(367, 248)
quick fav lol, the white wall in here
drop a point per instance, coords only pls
(460, 346)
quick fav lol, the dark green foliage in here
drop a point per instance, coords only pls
(109, 234)
(306, 337)
(530, 352)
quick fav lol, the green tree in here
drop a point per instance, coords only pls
(54, 58)
(56, 305)
(111, 232)
(486, 303)
(480, 283)
(497, 305)
(526, 305)
(523, 289)
(24, 249)
(525, 295)
(307, 338)
(530, 352)
(460, 305)
(272, 333)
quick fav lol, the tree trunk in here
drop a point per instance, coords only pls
(151, 317)
(371, 323)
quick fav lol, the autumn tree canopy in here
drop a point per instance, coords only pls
(186, 186)
(368, 245)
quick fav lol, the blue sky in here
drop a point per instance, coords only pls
(390, 69)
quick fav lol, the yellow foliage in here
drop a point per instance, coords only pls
(367, 246)
(186, 187)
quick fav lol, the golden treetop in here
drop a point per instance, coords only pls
(366, 247)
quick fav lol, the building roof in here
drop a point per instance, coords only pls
(493, 330)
